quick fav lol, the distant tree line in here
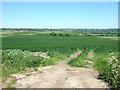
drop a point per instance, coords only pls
(59, 34)
(86, 32)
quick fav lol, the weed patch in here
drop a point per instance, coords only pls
(79, 61)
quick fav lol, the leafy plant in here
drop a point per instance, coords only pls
(109, 68)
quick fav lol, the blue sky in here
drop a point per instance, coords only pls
(60, 14)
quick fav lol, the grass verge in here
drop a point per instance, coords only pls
(16, 60)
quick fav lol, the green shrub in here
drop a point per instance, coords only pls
(109, 69)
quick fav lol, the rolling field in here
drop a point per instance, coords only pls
(47, 42)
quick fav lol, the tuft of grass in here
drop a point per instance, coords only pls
(10, 85)
(79, 61)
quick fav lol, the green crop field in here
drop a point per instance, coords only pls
(47, 42)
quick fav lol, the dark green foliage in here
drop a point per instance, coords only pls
(60, 34)
(53, 34)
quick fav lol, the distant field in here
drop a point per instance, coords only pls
(110, 38)
(36, 41)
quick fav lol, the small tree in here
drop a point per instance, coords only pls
(60, 34)
(67, 34)
(53, 34)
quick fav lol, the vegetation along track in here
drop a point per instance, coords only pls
(60, 75)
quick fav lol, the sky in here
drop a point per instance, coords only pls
(59, 14)
(60, 0)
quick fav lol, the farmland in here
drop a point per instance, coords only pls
(19, 48)
(36, 41)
